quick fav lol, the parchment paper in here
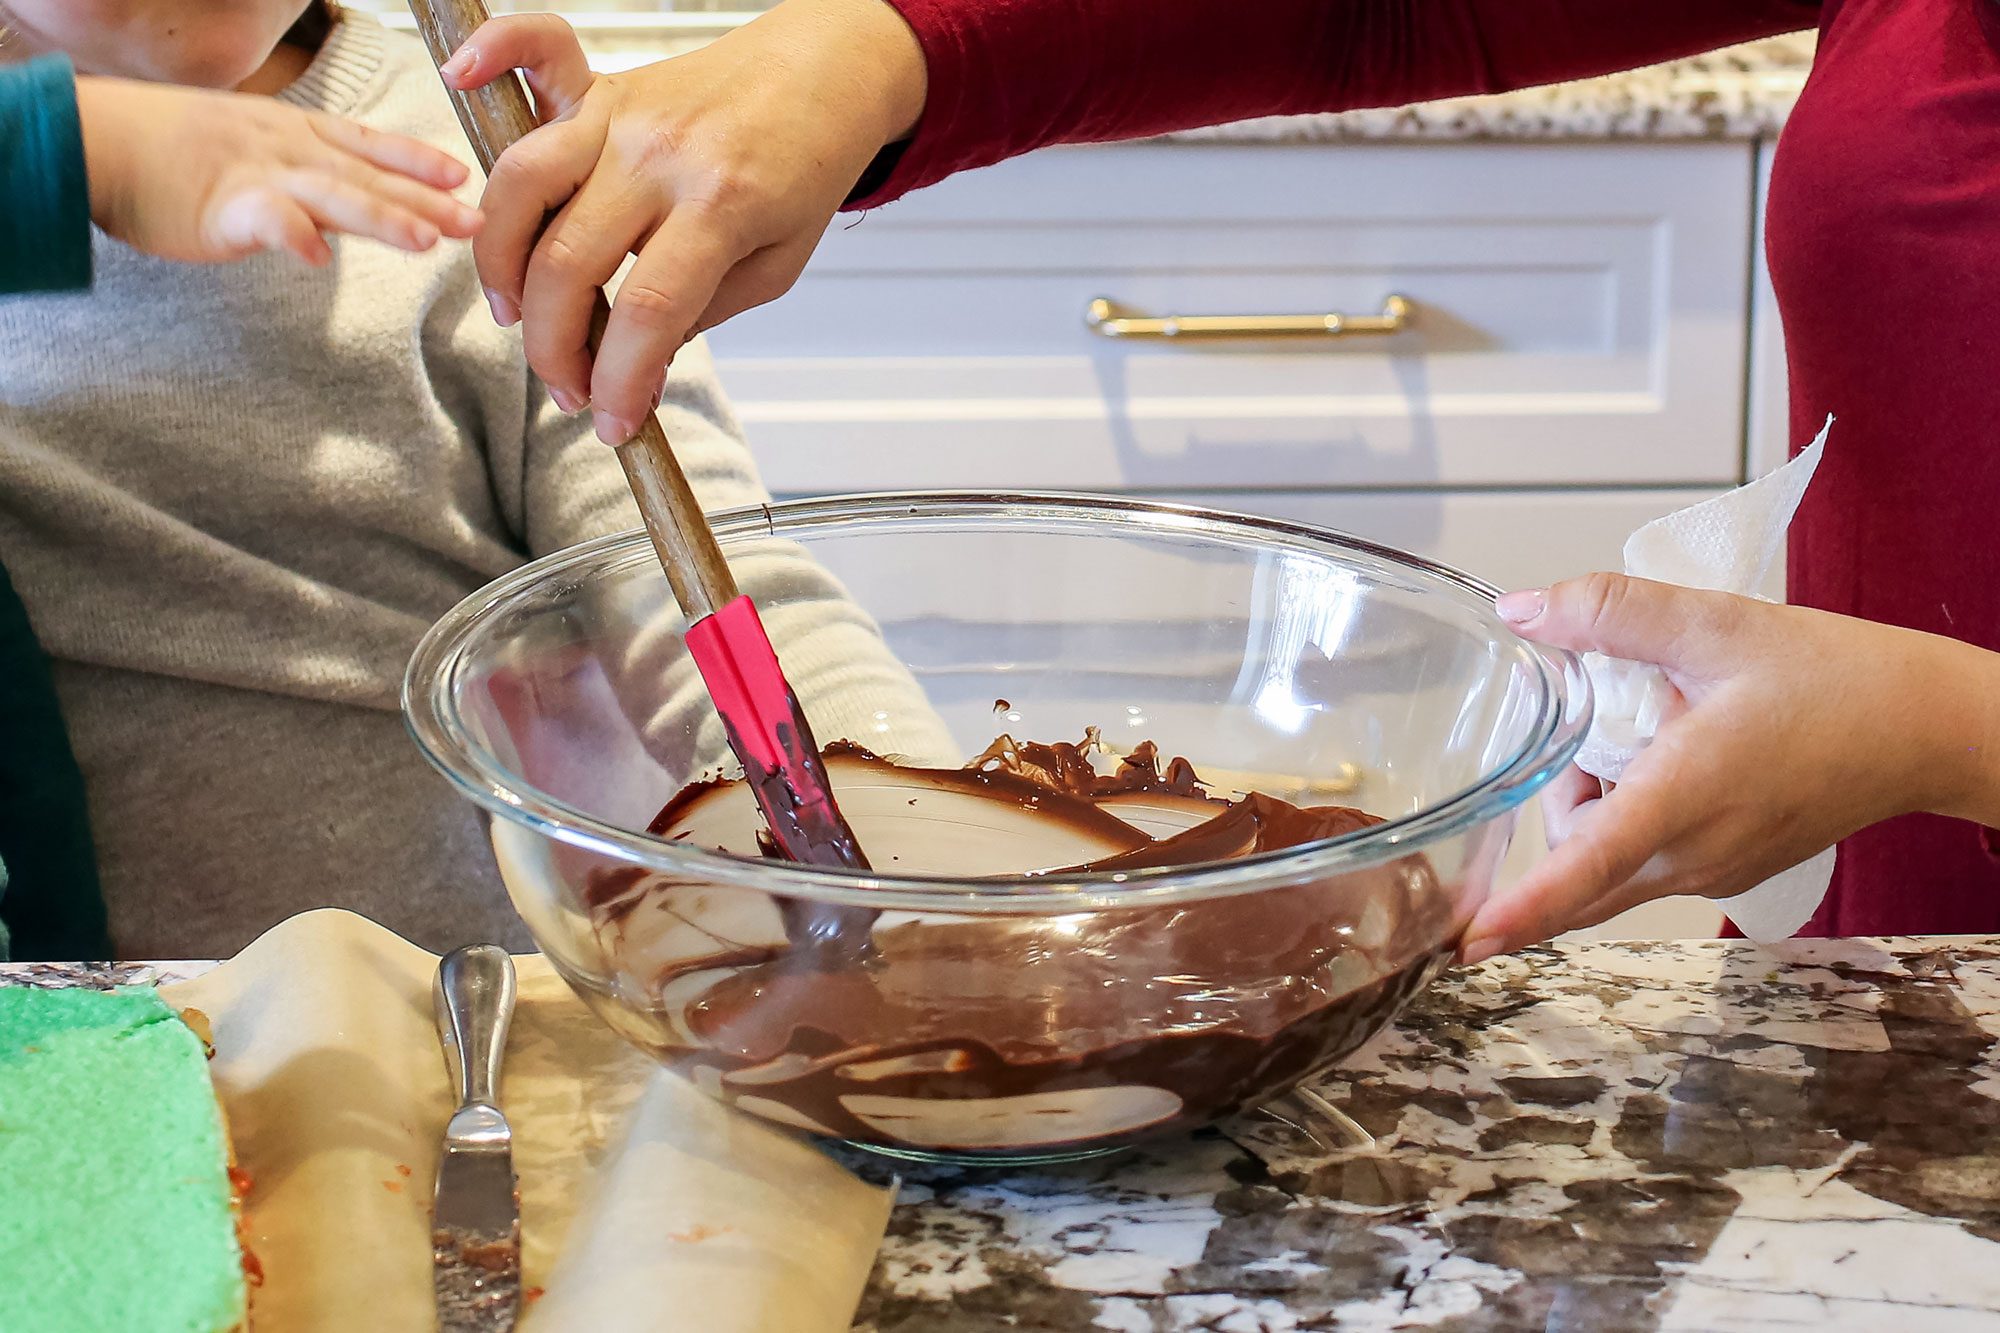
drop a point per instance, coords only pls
(644, 1204)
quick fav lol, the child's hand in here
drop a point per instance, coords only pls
(719, 170)
(210, 177)
(1796, 728)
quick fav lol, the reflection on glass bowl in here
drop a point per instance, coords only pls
(972, 998)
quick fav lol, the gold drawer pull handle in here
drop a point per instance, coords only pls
(1112, 320)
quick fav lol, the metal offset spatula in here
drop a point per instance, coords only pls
(761, 714)
(476, 1221)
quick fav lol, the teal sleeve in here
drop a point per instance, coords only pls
(44, 193)
(53, 907)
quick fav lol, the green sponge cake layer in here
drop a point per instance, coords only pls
(115, 1206)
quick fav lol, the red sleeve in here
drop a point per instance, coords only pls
(1007, 76)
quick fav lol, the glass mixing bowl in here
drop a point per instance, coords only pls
(1026, 1016)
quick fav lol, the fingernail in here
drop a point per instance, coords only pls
(568, 402)
(459, 63)
(1518, 608)
(613, 431)
(1474, 952)
(506, 315)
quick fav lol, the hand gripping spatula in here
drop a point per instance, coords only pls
(760, 713)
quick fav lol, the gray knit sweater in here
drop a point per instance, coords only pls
(233, 499)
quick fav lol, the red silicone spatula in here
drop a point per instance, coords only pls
(759, 711)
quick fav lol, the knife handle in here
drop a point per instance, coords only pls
(475, 1003)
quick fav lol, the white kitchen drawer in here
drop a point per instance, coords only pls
(1579, 318)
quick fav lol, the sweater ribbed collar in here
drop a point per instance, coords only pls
(344, 67)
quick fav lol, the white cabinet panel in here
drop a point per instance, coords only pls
(1578, 318)
(1768, 434)
(1770, 415)
(1511, 539)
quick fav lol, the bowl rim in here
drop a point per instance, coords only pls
(431, 717)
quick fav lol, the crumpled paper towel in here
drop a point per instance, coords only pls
(1726, 544)
(645, 1205)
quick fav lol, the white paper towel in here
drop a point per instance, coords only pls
(1726, 545)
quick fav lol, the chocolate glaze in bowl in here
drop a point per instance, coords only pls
(1038, 1034)
(1056, 975)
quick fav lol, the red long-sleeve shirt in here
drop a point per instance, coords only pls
(1883, 235)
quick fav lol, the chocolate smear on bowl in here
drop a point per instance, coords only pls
(1016, 1031)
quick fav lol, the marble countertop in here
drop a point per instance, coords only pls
(1743, 92)
(1589, 1136)
(1592, 1136)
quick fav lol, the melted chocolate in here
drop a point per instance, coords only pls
(802, 820)
(1017, 1032)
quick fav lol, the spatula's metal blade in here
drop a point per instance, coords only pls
(476, 1228)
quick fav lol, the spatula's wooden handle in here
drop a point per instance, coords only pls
(495, 117)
